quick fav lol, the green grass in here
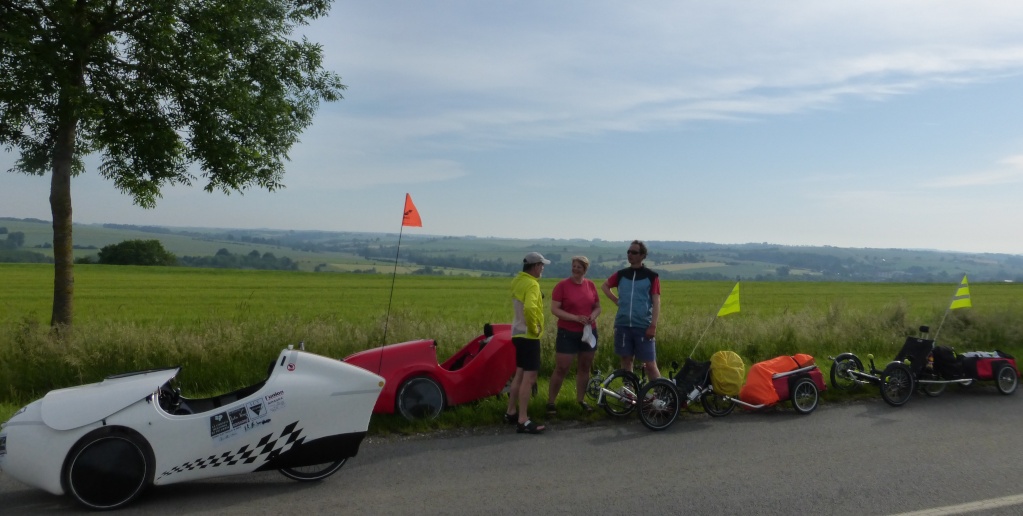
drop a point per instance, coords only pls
(223, 326)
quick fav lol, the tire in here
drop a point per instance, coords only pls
(1006, 379)
(804, 396)
(108, 469)
(619, 393)
(660, 404)
(897, 384)
(313, 472)
(420, 398)
(593, 386)
(933, 389)
(715, 404)
(840, 368)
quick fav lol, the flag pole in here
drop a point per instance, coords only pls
(960, 299)
(409, 217)
(394, 274)
(730, 306)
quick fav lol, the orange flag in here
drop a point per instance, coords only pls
(411, 217)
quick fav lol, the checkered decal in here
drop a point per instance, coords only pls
(266, 449)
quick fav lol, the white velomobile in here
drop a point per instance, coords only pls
(105, 442)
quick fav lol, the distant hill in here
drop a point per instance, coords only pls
(329, 251)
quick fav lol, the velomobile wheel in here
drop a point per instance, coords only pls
(715, 404)
(313, 472)
(841, 372)
(1006, 379)
(659, 404)
(619, 393)
(804, 396)
(897, 384)
(420, 398)
(106, 470)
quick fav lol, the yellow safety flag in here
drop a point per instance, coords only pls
(961, 299)
(731, 305)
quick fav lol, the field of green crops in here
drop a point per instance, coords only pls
(223, 326)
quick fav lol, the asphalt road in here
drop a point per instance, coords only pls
(956, 454)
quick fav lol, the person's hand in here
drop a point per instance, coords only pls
(582, 319)
(651, 331)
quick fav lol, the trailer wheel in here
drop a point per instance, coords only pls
(804, 396)
(1006, 379)
(897, 384)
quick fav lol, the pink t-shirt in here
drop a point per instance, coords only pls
(575, 299)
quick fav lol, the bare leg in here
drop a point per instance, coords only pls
(582, 375)
(513, 391)
(562, 361)
(651, 370)
(627, 363)
(528, 377)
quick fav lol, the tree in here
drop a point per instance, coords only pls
(136, 252)
(15, 239)
(157, 88)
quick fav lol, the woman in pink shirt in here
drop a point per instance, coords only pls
(576, 305)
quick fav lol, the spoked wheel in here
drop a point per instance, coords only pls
(933, 389)
(1006, 379)
(716, 405)
(841, 372)
(659, 404)
(313, 472)
(804, 396)
(420, 398)
(106, 470)
(619, 393)
(897, 384)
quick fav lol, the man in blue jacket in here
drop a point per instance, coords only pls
(637, 293)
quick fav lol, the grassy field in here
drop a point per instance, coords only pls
(223, 326)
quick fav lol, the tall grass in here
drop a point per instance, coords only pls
(224, 327)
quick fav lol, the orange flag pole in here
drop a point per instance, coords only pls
(410, 217)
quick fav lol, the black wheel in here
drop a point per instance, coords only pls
(313, 472)
(108, 469)
(619, 392)
(660, 404)
(841, 372)
(1006, 379)
(420, 398)
(897, 384)
(715, 404)
(933, 389)
(804, 396)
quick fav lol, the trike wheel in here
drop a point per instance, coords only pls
(420, 398)
(659, 404)
(313, 472)
(841, 372)
(619, 393)
(593, 386)
(804, 396)
(716, 404)
(933, 389)
(106, 470)
(1006, 379)
(897, 384)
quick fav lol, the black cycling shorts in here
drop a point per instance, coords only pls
(527, 353)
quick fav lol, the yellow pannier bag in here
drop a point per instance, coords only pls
(727, 373)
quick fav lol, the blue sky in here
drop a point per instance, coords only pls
(853, 124)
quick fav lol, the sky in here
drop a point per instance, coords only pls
(865, 124)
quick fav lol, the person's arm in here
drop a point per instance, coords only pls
(596, 306)
(533, 311)
(606, 287)
(564, 315)
(655, 314)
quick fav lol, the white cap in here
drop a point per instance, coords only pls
(533, 258)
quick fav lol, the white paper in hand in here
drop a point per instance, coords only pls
(589, 337)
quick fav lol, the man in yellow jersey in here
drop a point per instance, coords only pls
(527, 325)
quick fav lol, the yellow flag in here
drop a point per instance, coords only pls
(961, 299)
(731, 305)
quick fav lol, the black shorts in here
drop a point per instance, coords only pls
(527, 353)
(571, 342)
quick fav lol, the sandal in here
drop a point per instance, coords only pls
(586, 406)
(529, 427)
(552, 409)
(511, 419)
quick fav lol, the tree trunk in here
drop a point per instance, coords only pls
(60, 208)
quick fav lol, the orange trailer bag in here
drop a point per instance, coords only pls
(760, 387)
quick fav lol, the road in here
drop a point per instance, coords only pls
(960, 452)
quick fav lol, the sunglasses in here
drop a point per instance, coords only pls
(630, 251)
